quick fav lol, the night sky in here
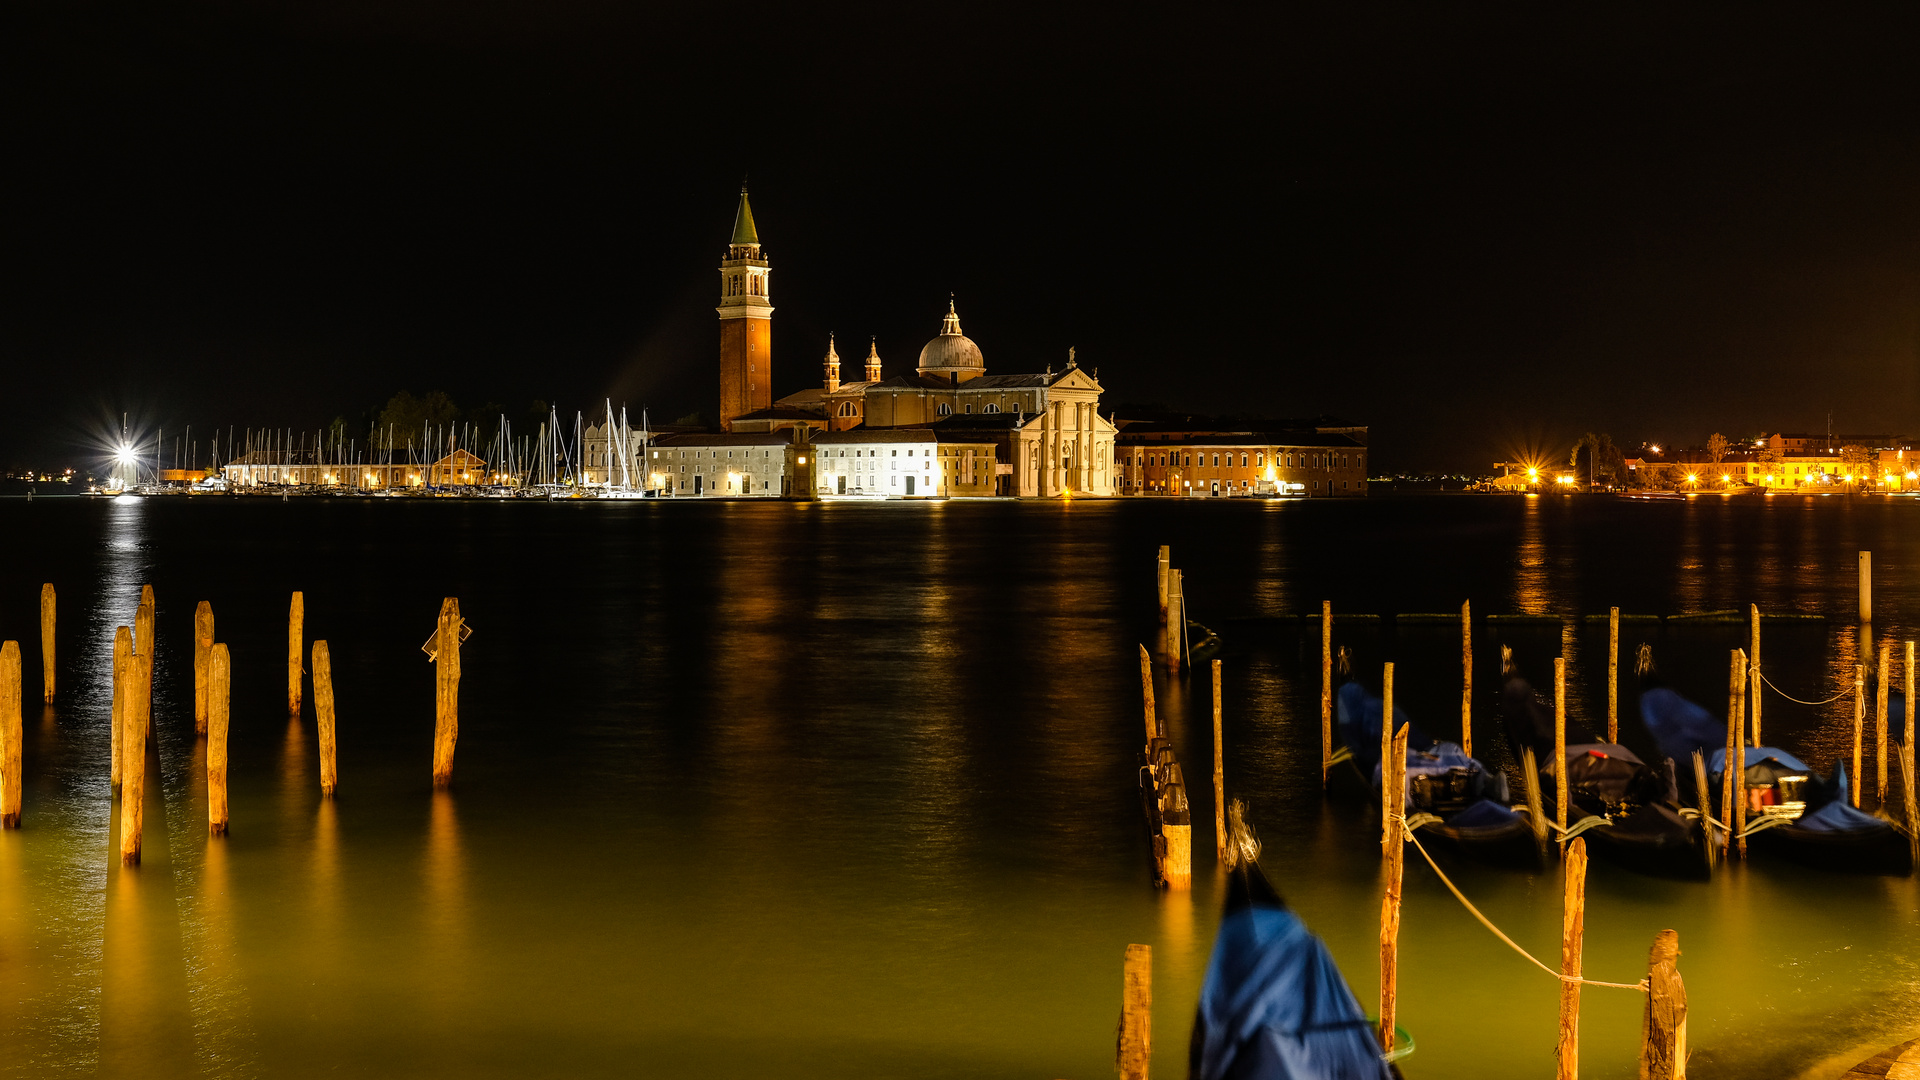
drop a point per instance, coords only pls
(1476, 233)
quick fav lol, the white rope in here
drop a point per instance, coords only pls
(1488, 923)
(1797, 701)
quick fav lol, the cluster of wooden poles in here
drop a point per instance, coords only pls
(132, 706)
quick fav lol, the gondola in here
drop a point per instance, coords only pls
(1452, 800)
(1642, 827)
(1274, 1006)
(1803, 817)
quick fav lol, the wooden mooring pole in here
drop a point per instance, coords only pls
(446, 724)
(1392, 778)
(1613, 675)
(1466, 677)
(1388, 841)
(1573, 918)
(323, 716)
(122, 693)
(1663, 1026)
(133, 751)
(47, 606)
(202, 649)
(1859, 722)
(1326, 688)
(1146, 693)
(1220, 776)
(1866, 587)
(1134, 1047)
(1161, 567)
(219, 708)
(296, 650)
(1176, 621)
(11, 692)
(1560, 743)
(1753, 674)
(144, 647)
(1737, 757)
(1880, 725)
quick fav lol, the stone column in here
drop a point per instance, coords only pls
(1056, 469)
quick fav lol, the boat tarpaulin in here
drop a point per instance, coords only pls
(1678, 726)
(1359, 720)
(1274, 1007)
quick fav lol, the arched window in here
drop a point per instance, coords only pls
(846, 408)
(991, 407)
(1243, 461)
(946, 409)
(1216, 461)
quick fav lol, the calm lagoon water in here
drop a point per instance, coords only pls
(847, 790)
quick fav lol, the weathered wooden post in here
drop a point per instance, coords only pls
(46, 641)
(1560, 743)
(11, 692)
(1703, 794)
(296, 648)
(1466, 677)
(202, 648)
(1326, 688)
(1613, 675)
(446, 726)
(1737, 757)
(1663, 1027)
(1907, 744)
(122, 695)
(1392, 777)
(1146, 693)
(1134, 1049)
(1220, 776)
(133, 751)
(1161, 566)
(1753, 674)
(1176, 621)
(1859, 722)
(1573, 918)
(1536, 807)
(1880, 725)
(323, 715)
(1387, 838)
(1866, 587)
(144, 647)
(219, 701)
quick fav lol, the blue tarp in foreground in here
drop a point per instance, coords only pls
(1274, 1007)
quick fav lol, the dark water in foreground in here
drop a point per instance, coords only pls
(847, 790)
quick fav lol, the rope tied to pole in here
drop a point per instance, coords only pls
(1488, 923)
(1797, 701)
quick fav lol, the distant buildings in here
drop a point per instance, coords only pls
(971, 432)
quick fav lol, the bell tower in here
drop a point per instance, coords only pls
(746, 338)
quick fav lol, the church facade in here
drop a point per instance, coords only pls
(1045, 429)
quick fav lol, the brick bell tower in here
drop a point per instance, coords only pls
(746, 328)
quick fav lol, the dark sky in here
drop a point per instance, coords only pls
(1477, 233)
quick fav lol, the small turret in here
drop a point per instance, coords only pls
(833, 367)
(873, 361)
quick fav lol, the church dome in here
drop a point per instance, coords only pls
(952, 353)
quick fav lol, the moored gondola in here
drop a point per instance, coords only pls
(1640, 824)
(1793, 813)
(1452, 800)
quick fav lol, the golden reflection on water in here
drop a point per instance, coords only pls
(446, 879)
(1530, 575)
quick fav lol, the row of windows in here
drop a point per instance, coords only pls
(1318, 461)
(1161, 485)
(848, 408)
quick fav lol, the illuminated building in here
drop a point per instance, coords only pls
(746, 322)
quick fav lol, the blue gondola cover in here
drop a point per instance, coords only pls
(1274, 1007)
(1678, 726)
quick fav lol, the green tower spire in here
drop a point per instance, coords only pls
(743, 232)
